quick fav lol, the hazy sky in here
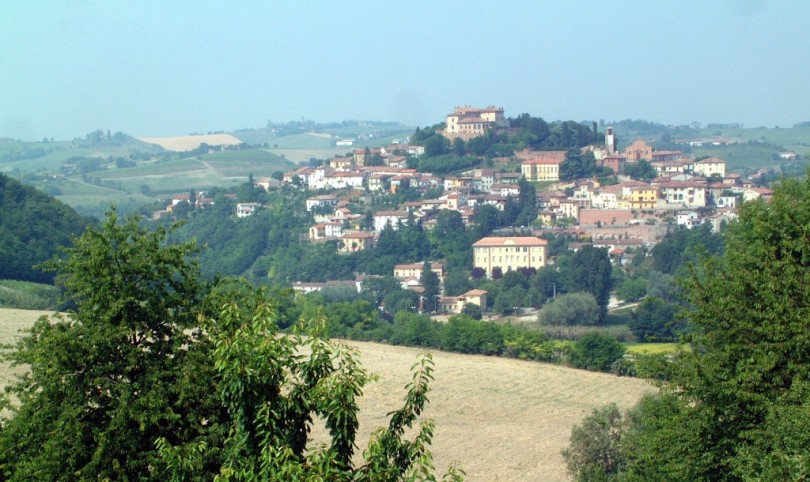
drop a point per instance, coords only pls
(171, 67)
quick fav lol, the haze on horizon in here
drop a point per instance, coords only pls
(152, 68)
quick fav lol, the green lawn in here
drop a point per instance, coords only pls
(651, 348)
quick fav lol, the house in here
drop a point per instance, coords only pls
(690, 194)
(360, 155)
(643, 197)
(353, 242)
(506, 190)
(711, 166)
(616, 162)
(324, 200)
(266, 183)
(509, 253)
(455, 304)
(468, 122)
(330, 230)
(688, 219)
(414, 270)
(542, 165)
(244, 210)
(341, 162)
(306, 288)
(382, 218)
(666, 155)
(750, 194)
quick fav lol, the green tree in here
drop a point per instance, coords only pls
(595, 351)
(122, 369)
(590, 270)
(654, 319)
(432, 288)
(595, 452)
(570, 309)
(736, 406)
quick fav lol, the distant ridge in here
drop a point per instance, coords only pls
(33, 226)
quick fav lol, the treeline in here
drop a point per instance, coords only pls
(33, 226)
(525, 132)
(360, 320)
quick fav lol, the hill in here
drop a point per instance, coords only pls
(32, 227)
(504, 420)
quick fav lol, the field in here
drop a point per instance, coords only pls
(501, 419)
(187, 143)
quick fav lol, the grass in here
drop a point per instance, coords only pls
(651, 348)
(27, 296)
(501, 419)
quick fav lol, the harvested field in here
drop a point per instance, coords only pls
(501, 419)
(187, 143)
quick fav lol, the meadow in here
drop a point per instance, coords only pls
(501, 419)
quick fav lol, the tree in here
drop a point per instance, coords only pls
(595, 351)
(121, 370)
(736, 406)
(595, 453)
(570, 309)
(590, 271)
(432, 289)
(472, 310)
(654, 320)
(129, 386)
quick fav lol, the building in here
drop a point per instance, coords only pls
(543, 166)
(455, 304)
(414, 270)
(468, 122)
(325, 200)
(610, 141)
(616, 162)
(353, 242)
(244, 210)
(638, 150)
(509, 253)
(709, 167)
(643, 197)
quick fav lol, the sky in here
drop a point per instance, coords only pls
(171, 67)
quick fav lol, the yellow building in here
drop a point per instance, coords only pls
(643, 197)
(711, 166)
(509, 253)
(468, 122)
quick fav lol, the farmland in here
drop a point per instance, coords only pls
(501, 419)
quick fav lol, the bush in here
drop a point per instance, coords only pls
(595, 453)
(595, 351)
(571, 309)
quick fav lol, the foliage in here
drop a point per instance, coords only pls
(590, 270)
(654, 319)
(641, 170)
(683, 246)
(28, 296)
(121, 370)
(127, 386)
(596, 351)
(33, 226)
(432, 289)
(735, 407)
(595, 453)
(570, 309)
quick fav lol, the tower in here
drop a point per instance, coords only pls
(610, 141)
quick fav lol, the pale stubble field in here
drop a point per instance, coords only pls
(500, 419)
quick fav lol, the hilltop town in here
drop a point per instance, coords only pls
(636, 195)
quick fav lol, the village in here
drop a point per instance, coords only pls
(626, 216)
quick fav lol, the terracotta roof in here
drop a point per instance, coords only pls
(511, 241)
